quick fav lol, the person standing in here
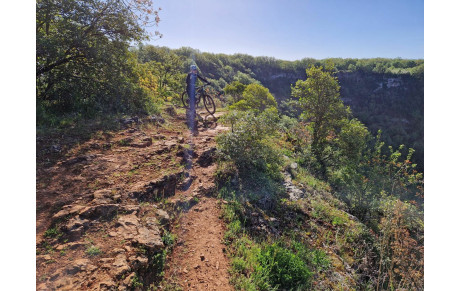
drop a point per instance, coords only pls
(191, 81)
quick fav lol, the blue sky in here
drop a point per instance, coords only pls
(294, 29)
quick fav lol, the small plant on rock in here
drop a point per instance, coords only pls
(168, 238)
(93, 250)
(53, 233)
(135, 283)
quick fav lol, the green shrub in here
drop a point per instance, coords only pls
(249, 146)
(283, 267)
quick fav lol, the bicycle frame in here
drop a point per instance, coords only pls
(200, 93)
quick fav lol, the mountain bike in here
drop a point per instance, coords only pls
(200, 93)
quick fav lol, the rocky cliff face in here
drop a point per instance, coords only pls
(392, 103)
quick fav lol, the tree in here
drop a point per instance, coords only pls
(244, 78)
(167, 66)
(235, 89)
(82, 56)
(352, 140)
(70, 30)
(364, 172)
(320, 99)
(256, 97)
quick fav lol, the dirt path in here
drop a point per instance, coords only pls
(198, 261)
(106, 206)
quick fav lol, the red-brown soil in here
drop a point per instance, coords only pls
(198, 262)
(101, 193)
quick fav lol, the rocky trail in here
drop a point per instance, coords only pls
(124, 208)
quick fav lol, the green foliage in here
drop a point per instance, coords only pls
(320, 99)
(159, 261)
(286, 123)
(135, 283)
(235, 89)
(365, 172)
(290, 108)
(244, 78)
(285, 264)
(248, 144)
(396, 107)
(302, 176)
(168, 238)
(255, 97)
(93, 250)
(323, 210)
(53, 232)
(352, 139)
(283, 268)
(83, 63)
(167, 67)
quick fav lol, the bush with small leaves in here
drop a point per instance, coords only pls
(249, 145)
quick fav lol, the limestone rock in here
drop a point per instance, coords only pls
(127, 226)
(138, 262)
(76, 227)
(129, 278)
(163, 217)
(68, 210)
(79, 159)
(120, 265)
(55, 148)
(107, 284)
(42, 287)
(128, 221)
(150, 238)
(104, 211)
(77, 266)
(43, 258)
(105, 196)
(293, 192)
(205, 189)
(151, 222)
(74, 245)
(106, 260)
(128, 209)
(75, 223)
(130, 121)
(156, 119)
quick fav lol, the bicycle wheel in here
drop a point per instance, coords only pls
(209, 104)
(185, 99)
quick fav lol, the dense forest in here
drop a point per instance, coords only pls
(319, 168)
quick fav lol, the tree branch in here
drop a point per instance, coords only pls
(62, 61)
